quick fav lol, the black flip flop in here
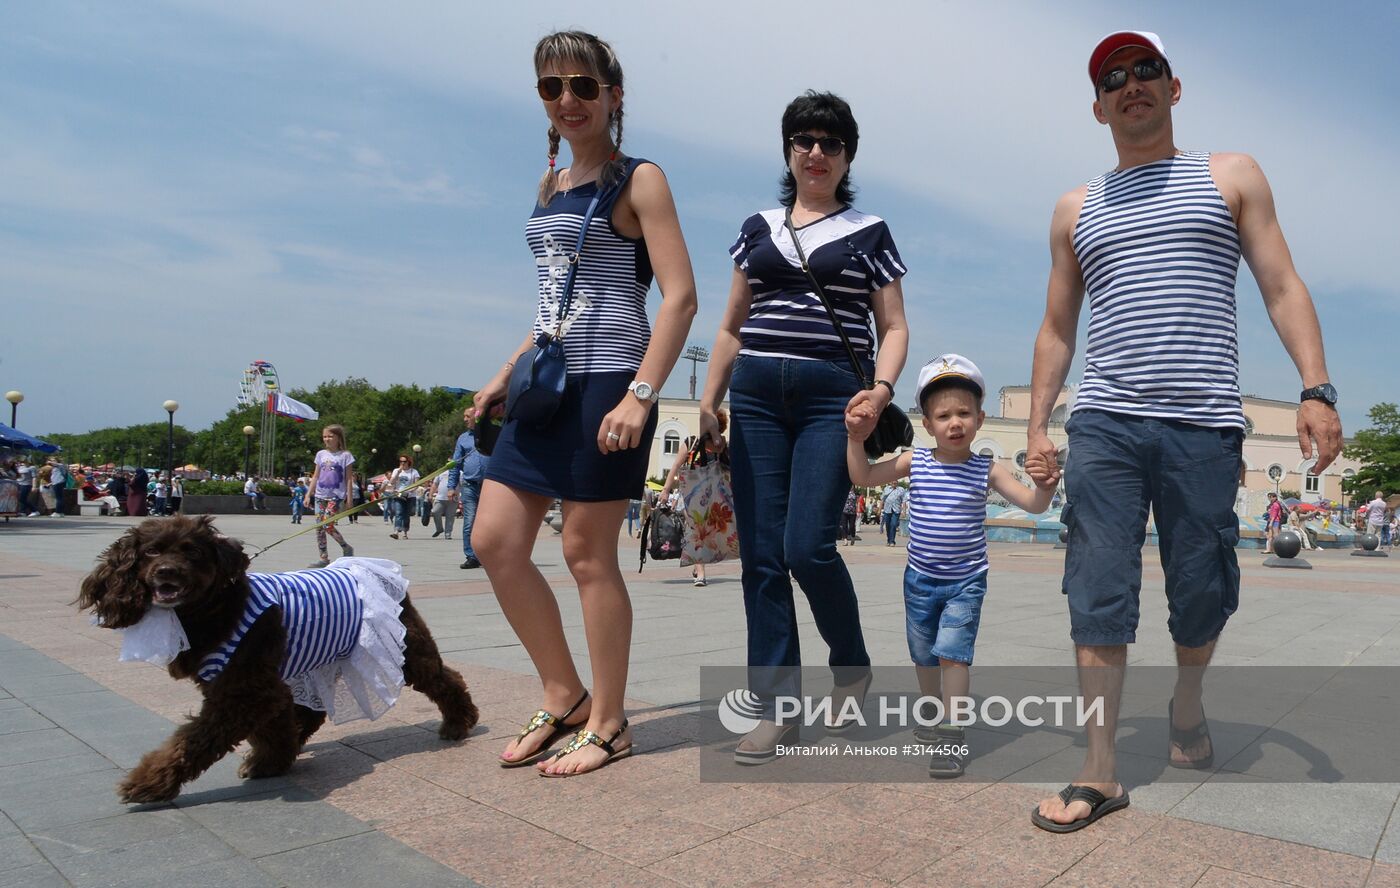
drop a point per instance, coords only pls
(1099, 805)
(1187, 738)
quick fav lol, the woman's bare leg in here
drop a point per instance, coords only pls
(503, 538)
(590, 550)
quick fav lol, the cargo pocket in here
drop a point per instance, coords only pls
(1067, 519)
(1229, 570)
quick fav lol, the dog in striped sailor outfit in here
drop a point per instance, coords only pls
(273, 654)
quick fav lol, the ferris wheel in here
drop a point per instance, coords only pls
(259, 380)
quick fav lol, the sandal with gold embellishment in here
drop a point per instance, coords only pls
(582, 739)
(541, 719)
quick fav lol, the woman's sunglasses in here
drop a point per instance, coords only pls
(585, 87)
(830, 145)
(1144, 71)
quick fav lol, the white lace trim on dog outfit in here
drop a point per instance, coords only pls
(157, 638)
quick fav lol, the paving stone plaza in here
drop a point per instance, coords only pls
(388, 803)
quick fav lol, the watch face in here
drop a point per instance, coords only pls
(642, 390)
(1328, 392)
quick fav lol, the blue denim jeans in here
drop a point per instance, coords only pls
(404, 508)
(790, 481)
(470, 492)
(890, 522)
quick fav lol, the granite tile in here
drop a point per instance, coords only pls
(1115, 863)
(366, 859)
(1216, 877)
(730, 861)
(1256, 855)
(644, 840)
(269, 823)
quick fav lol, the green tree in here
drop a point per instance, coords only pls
(1378, 450)
(390, 421)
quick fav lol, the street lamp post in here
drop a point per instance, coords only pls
(248, 433)
(170, 408)
(14, 398)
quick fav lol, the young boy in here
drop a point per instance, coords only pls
(298, 494)
(946, 578)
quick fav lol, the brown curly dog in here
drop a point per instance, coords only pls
(184, 564)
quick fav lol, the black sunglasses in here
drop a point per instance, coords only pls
(585, 87)
(1144, 70)
(830, 145)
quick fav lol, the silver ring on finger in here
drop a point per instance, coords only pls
(614, 436)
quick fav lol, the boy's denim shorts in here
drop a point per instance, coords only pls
(1119, 466)
(941, 616)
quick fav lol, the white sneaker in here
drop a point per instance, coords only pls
(34, 515)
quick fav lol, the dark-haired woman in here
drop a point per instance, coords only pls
(592, 454)
(790, 382)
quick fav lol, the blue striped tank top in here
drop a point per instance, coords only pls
(1159, 251)
(607, 329)
(947, 514)
(321, 613)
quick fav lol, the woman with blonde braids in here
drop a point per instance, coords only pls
(592, 453)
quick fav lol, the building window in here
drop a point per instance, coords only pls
(671, 444)
(1348, 473)
(1312, 483)
(986, 451)
(1275, 473)
(1248, 426)
(1021, 459)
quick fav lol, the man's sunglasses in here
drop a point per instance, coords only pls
(585, 87)
(830, 145)
(1144, 71)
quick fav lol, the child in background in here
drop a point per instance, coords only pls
(946, 578)
(330, 489)
(298, 495)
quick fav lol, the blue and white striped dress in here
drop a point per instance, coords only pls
(321, 613)
(607, 329)
(1159, 252)
(947, 515)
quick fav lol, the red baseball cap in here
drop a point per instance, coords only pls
(1121, 40)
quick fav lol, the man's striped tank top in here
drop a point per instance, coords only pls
(947, 514)
(1159, 250)
(321, 613)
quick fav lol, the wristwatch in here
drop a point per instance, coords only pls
(643, 391)
(1326, 393)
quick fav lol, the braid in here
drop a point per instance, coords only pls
(549, 183)
(613, 169)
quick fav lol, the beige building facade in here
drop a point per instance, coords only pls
(1271, 456)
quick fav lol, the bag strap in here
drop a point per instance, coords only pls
(821, 295)
(568, 298)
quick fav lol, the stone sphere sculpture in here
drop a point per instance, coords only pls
(1287, 544)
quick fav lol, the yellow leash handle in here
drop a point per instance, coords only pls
(348, 512)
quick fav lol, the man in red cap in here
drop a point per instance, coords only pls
(1155, 244)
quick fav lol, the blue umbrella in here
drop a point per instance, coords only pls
(17, 440)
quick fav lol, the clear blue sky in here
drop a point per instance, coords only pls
(341, 188)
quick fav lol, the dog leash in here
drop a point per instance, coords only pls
(348, 512)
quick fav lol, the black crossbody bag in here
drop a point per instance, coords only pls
(893, 429)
